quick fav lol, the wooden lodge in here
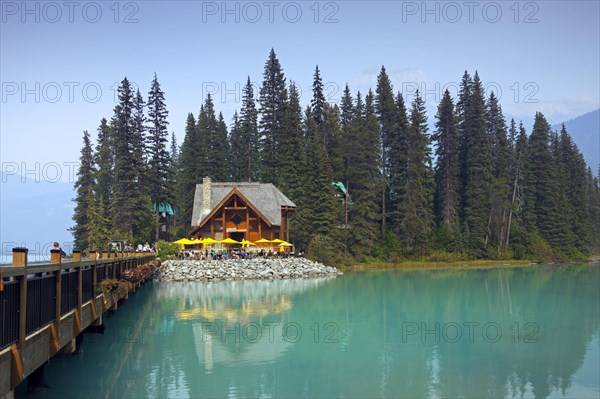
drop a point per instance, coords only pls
(240, 211)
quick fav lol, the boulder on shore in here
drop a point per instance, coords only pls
(243, 269)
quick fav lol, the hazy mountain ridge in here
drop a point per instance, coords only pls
(34, 213)
(585, 130)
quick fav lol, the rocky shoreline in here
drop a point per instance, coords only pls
(243, 269)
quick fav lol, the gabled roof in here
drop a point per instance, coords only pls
(265, 197)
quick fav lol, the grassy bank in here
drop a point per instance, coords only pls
(470, 264)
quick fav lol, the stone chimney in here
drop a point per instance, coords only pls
(206, 208)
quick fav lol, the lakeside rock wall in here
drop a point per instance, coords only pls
(243, 269)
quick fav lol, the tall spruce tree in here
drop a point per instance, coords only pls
(249, 137)
(398, 153)
(344, 147)
(557, 228)
(387, 115)
(447, 168)
(104, 160)
(517, 180)
(236, 147)
(334, 137)
(99, 225)
(319, 190)
(539, 185)
(478, 169)
(292, 166)
(317, 104)
(417, 203)
(593, 211)
(207, 129)
(463, 105)
(126, 188)
(174, 153)
(273, 100)
(84, 184)
(138, 145)
(160, 185)
(191, 169)
(500, 157)
(364, 179)
(220, 150)
(576, 188)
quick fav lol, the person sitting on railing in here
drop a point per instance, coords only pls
(57, 246)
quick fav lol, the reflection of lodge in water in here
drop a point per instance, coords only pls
(240, 321)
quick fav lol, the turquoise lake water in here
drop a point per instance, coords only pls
(516, 332)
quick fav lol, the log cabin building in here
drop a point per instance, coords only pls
(240, 211)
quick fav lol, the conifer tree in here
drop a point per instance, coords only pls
(462, 121)
(334, 137)
(517, 177)
(273, 100)
(593, 191)
(104, 160)
(346, 108)
(137, 145)
(319, 190)
(364, 179)
(478, 169)
(160, 185)
(83, 185)
(417, 203)
(557, 227)
(249, 137)
(220, 150)
(99, 225)
(317, 104)
(236, 146)
(447, 169)
(539, 185)
(500, 156)
(174, 148)
(388, 119)
(345, 145)
(126, 189)
(207, 129)
(576, 188)
(191, 169)
(398, 153)
(292, 166)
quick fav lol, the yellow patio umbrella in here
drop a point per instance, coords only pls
(183, 242)
(263, 241)
(247, 243)
(286, 244)
(197, 241)
(209, 240)
(277, 241)
(229, 241)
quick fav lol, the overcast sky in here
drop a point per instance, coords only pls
(60, 62)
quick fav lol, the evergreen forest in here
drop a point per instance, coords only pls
(476, 187)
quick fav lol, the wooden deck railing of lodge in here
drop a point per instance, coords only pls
(44, 307)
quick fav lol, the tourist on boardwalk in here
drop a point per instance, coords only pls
(57, 246)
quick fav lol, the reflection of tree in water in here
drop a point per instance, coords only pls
(559, 301)
(369, 357)
(209, 308)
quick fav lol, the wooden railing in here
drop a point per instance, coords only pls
(46, 297)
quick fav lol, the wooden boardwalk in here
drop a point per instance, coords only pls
(44, 308)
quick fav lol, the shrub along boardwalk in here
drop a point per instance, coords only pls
(45, 307)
